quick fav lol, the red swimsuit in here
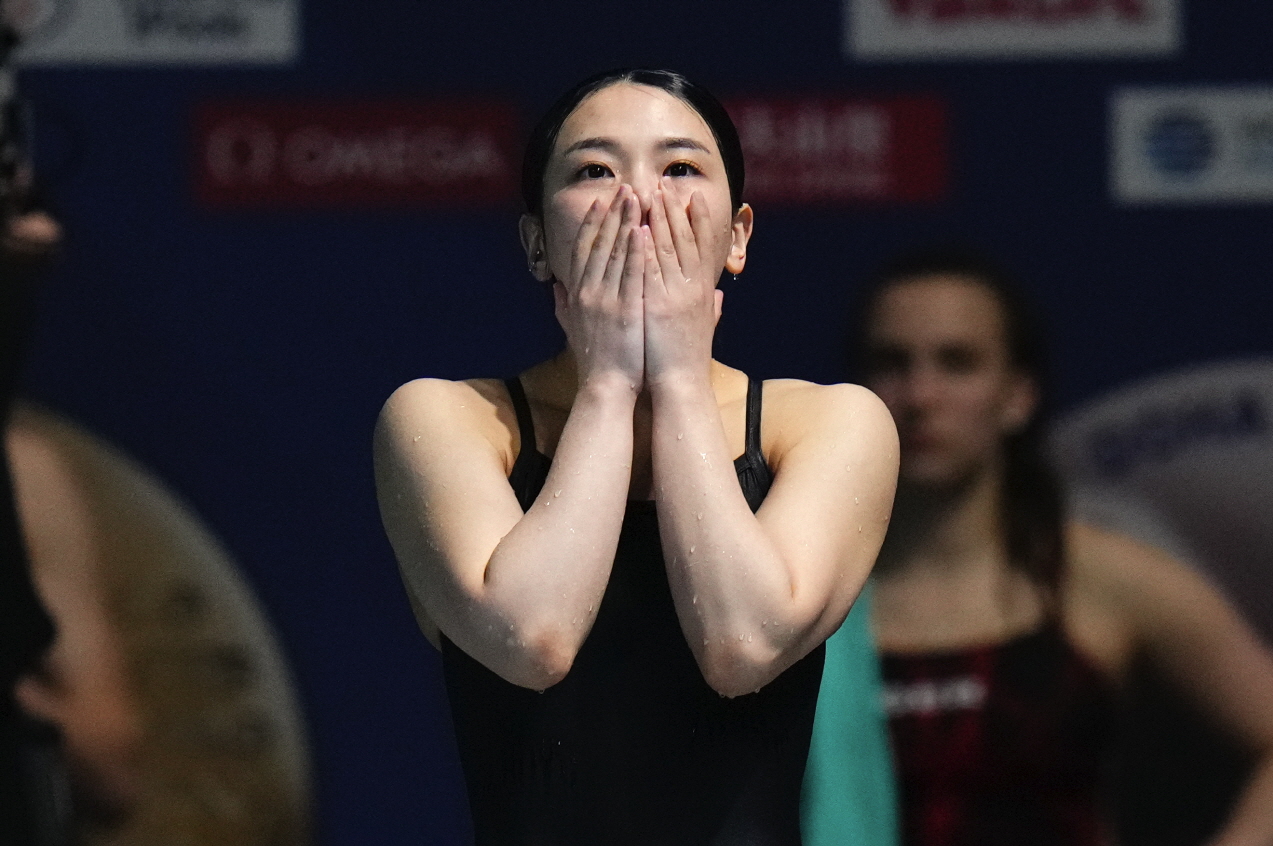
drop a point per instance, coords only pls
(1000, 745)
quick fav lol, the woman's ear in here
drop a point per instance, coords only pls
(1022, 401)
(739, 235)
(531, 231)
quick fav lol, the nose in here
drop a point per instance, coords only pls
(644, 182)
(915, 391)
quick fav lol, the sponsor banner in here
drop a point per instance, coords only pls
(1010, 29)
(827, 150)
(333, 154)
(132, 32)
(1192, 145)
(1185, 460)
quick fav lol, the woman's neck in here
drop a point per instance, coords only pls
(944, 579)
(948, 530)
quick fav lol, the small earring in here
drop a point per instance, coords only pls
(530, 265)
(735, 277)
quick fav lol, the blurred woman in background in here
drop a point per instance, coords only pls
(1008, 631)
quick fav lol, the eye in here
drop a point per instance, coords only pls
(887, 361)
(681, 169)
(594, 171)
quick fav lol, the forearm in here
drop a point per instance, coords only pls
(544, 580)
(1251, 821)
(733, 590)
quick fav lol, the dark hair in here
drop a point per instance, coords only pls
(543, 137)
(1032, 501)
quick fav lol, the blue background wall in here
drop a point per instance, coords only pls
(244, 356)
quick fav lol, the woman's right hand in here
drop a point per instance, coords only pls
(599, 304)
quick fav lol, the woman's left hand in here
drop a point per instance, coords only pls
(682, 303)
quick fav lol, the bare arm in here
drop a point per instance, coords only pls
(1194, 635)
(755, 593)
(518, 592)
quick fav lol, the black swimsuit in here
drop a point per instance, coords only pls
(633, 746)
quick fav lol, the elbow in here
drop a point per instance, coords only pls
(740, 668)
(542, 660)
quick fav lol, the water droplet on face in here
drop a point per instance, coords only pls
(680, 435)
(855, 499)
(700, 515)
(740, 638)
(557, 493)
(416, 438)
(848, 468)
(749, 638)
(859, 528)
(692, 548)
(695, 599)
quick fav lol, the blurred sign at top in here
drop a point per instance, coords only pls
(140, 32)
(825, 150)
(909, 30)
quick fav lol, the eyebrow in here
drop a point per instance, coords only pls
(610, 145)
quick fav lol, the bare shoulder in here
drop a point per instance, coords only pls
(1152, 594)
(796, 410)
(438, 409)
(1118, 566)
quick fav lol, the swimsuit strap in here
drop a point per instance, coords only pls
(754, 392)
(521, 407)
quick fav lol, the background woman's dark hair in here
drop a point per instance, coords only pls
(1033, 504)
(544, 136)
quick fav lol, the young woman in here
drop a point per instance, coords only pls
(1008, 631)
(631, 554)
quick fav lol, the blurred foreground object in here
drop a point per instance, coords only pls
(174, 700)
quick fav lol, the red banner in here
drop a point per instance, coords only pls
(826, 150)
(353, 154)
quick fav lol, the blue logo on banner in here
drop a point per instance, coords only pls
(1180, 144)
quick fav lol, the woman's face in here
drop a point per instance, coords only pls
(938, 358)
(636, 135)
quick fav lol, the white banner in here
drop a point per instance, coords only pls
(1185, 461)
(1010, 29)
(133, 32)
(1192, 145)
